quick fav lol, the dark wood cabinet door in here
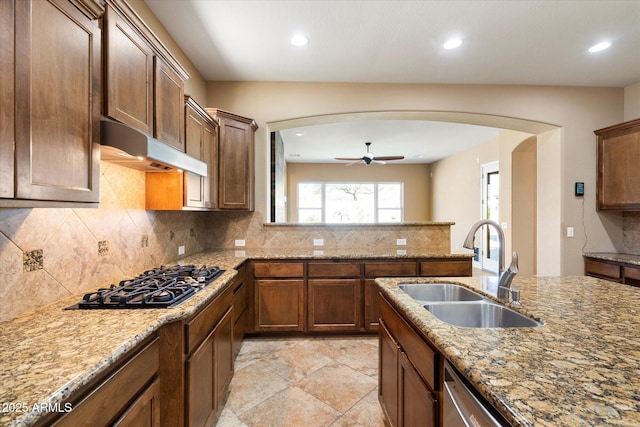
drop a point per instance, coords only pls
(194, 133)
(279, 305)
(128, 74)
(371, 306)
(57, 109)
(145, 410)
(210, 149)
(618, 156)
(235, 174)
(201, 403)
(168, 106)
(236, 160)
(388, 353)
(223, 357)
(334, 304)
(418, 407)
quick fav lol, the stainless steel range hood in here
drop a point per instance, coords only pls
(129, 147)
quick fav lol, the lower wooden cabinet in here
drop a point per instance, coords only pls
(279, 305)
(409, 373)
(209, 370)
(129, 395)
(331, 295)
(145, 410)
(417, 405)
(334, 305)
(616, 271)
(388, 353)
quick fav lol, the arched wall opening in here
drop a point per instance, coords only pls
(534, 198)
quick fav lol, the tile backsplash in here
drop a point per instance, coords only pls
(631, 232)
(51, 253)
(47, 254)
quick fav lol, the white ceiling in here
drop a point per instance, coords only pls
(504, 42)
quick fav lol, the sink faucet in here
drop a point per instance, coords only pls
(505, 277)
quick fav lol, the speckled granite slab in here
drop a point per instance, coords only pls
(48, 354)
(582, 368)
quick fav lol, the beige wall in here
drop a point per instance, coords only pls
(414, 176)
(569, 154)
(632, 102)
(456, 193)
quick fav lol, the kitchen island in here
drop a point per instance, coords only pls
(581, 368)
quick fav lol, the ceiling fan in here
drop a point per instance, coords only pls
(369, 158)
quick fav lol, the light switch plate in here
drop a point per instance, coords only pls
(240, 243)
(569, 231)
(180, 250)
(401, 242)
(318, 242)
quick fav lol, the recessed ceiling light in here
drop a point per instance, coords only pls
(600, 46)
(299, 134)
(299, 40)
(452, 44)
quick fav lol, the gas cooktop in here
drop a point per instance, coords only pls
(160, 287)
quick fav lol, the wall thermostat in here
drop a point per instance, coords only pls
(579, 189)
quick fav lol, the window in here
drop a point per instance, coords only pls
(350, 202)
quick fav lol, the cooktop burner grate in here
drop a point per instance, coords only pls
(156, 288)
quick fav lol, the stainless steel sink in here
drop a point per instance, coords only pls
(432, 292)
(481, 314)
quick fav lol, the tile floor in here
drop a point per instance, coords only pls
(309, 382)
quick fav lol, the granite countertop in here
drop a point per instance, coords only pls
(51, 352)
(615, 257)
(581, 368)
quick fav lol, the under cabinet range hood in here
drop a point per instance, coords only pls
(129, 147)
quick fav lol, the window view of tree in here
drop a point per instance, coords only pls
(349, 202)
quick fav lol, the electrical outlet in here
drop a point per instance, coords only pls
(401, 252)
(180, 250)
(240, 243)
(318, 253)
(318, 242)
(569, 231)
(401, 242)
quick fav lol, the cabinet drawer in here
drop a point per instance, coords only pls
(390, 269)
(278, 269)
(109, 398)
(411, 343)
(334, 269)
(439, 267)
(239, 299)
(201, 324)
(631, 273)
(604, 269)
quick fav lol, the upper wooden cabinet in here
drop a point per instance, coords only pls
(50, 110)
(186, 190)
(235, 160)
(144, 84)
(618, 181)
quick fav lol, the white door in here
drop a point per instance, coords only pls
(489, 244)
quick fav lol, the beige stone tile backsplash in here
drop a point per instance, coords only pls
(68, 251)
(83, 249)
(631, 232)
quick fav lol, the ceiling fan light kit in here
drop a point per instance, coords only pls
(369, 158)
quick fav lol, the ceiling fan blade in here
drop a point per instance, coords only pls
(358, 161)
(348, 158)
(388, 158)
(380, 162)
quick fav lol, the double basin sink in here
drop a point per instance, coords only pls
(460, 306)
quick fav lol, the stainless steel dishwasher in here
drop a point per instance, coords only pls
(461, 407)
